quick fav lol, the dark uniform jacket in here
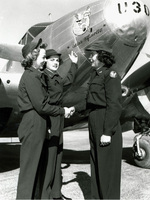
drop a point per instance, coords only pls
(105, 91)
(56, 83)
(31, 94)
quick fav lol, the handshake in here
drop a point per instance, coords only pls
(69, 111)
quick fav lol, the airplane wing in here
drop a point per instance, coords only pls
(11, 52)
(139, 79)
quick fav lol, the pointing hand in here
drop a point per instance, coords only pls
(74, 57)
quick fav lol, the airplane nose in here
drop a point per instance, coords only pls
(130, 20)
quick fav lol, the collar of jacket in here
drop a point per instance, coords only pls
(100, 70)
(36, 71)
(50, 73)
(39, 74)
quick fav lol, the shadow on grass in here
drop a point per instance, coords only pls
(83, 157)
(9, 156)
(76, 157)
(83, 180)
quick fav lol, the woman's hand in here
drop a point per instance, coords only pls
(69, 111)
(74, 57)
(105, 140)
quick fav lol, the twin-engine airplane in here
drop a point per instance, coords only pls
(122, 25)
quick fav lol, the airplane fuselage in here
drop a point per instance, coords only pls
(121, 25)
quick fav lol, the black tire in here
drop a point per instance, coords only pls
(144, 160)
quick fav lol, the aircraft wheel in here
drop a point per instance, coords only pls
(143, 160)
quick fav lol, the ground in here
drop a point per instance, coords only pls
(135, 182)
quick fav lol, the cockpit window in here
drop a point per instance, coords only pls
(33, 32)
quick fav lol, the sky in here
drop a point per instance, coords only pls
(17, 16)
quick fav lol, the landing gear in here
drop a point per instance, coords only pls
(134, 111)
(141, 149)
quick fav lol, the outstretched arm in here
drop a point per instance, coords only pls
(72, 72)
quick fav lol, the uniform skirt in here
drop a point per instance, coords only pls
(106, 160)
(32, 133)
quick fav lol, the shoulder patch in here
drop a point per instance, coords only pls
(113, 74)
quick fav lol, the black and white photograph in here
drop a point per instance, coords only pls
(75, 99)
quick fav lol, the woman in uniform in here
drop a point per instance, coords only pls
(105, 103)
(56, 86)
(34, 104)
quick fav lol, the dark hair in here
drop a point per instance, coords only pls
(32, 56)
(106, 57)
